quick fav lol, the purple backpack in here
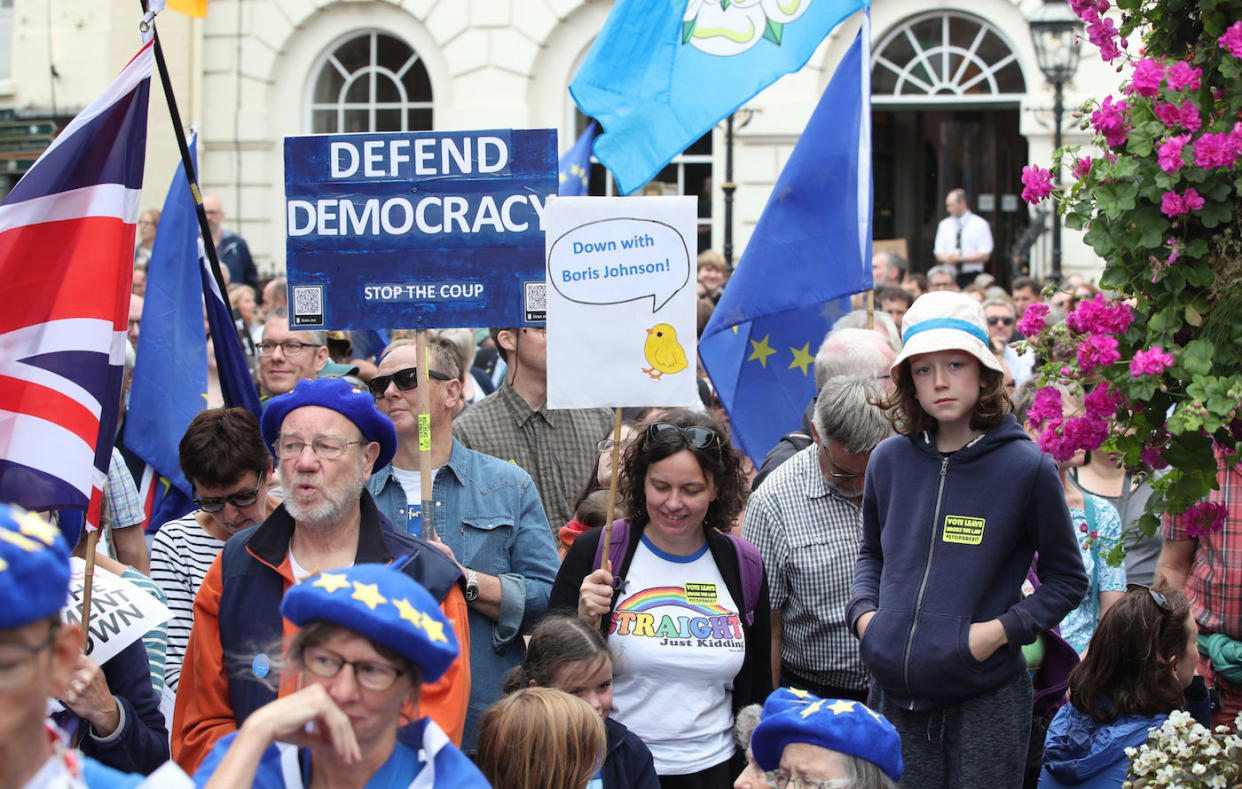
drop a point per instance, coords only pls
(748, 561)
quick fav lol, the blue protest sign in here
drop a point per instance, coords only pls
(417, 229)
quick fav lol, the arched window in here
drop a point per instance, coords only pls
(945, 56)
(371, 82)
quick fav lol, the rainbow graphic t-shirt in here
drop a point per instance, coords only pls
(677, 642)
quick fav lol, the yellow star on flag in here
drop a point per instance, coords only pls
(409, 612)
(434, 630)
(330, 582)
(802, 694)
(762, 350)
(811, 710)
(802, 357)
(369, 594)
(32, 525)
(841, 706)
(25, 543)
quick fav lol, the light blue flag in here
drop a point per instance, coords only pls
(170, 373)
(811, 248)
(575, 165)
(662, 73)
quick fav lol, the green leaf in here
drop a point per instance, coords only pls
(1164, 321)
(773, 31)
(1113, 199)
(1214, 212)
(1197, 356)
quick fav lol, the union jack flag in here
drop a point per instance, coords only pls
(66, 264)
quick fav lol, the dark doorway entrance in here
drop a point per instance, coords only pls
(920, 154)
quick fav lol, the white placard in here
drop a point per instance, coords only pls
(621, 301)
(121, 613)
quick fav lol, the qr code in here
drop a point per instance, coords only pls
(307, 305)
(536, 307)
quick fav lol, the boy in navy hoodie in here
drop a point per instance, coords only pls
(954, 509)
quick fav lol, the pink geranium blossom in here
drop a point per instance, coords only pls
(1213, 150)
(1098, 316)
(1150, 362)
(1183, 77)
(1102, 32)
(1168, 114)
(1148, 74)
(1192, 199)
(1032, 321)
(1169, 155)
(1190, 116)
(1235, 139)
(1232, 40)
(1102, 401)
(1204, 518)
(1063, 438)
(1109, 121)
(1098, 350)
(1045, 408)
(1082, 166)
(1172, 204)
(1186, 116)
(1038, 183)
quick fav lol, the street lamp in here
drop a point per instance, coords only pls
(1055, 30)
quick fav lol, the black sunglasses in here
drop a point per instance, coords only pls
(242, 498)
(1158, 598)
(695, 436)
(405, 380)
(992, 321)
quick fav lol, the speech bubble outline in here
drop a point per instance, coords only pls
(552, 253)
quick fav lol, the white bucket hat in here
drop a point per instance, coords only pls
(946, 321)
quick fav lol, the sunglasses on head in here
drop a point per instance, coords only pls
(995, 319)
(405, 380)
(695, 436)
(242, 498)
(1158, 598)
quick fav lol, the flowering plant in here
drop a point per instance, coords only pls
(1160, 203)
(1183, 753)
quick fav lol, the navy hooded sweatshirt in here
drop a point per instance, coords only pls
(947, 541)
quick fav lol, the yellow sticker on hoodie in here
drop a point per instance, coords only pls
(963, 530)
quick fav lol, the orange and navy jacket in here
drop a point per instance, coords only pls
(225, 675)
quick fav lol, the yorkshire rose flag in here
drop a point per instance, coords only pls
(66, 261)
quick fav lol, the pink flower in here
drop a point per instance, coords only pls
(1038, 183)
(1084, 432)
(1154, 457)
(1032, 321)
(1204, 518)
(1168, 114)
(1102, 32)
(1173, 116)
(1192, 199)
(1169, 156)
(1045, 408)
(1102, 402)
(1213, 150)
(1098, 350)
(1082, 166)
(1098, 316)
(1190, 116)
(1150, 362)
(1234, 141)
(1232, 40)
(1147, 76)
(1171, 204)
(1109, 121)
(1174, 247)
(1183, 77)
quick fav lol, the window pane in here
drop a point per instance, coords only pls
(387, 120)
(355, 54)
(328, 86)
(417, 83)
(391, 53)
(419, 119)
(360, 90)
(386, 91)
(703, 145)
(357, 121)
(323, 122)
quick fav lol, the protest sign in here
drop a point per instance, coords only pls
(121, 613)
(417, 229)
(621, 301)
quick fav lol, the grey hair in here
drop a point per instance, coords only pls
(881, 320)
(862, 774)
(744, 724)
(943, 268)
(464, 340)
(848, 412)
(131, 357)
(850, 351)
(445, 354)
(1006, 303)
(313, 336)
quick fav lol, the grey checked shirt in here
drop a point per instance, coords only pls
(557, 448)
(808, 536)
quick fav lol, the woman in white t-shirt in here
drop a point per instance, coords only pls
(690, 650)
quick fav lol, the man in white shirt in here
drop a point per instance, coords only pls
(963, 238)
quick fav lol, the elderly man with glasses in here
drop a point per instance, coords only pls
(487, 515)
(328, 439)
(806, 521)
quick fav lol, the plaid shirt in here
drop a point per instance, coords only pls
(124, 506)
(809, 536)
(1214, 585)
(557, 448)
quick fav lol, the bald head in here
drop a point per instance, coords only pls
(215, 214)
(855, 352)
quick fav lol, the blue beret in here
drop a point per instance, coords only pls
(848, 727)
(337, 395)
(385, 605)
(34, 568)
(783, 699)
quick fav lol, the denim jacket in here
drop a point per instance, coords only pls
(488, 512)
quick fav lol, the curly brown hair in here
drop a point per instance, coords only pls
(719, 462)
(1131, 665)
(909, 418)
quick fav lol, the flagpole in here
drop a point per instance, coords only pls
(192, 176)
(606, 539)
(424, 431)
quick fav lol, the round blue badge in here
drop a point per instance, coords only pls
(261, 666)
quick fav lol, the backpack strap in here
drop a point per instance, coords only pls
(750, 563)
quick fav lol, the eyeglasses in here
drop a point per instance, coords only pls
(605, 444)
(1158, 598)
(696, 436)
(240, 499)
(17, 661)
(782, 780)
(405, 380)
(370, 675)
(291, 349)
(833, 464)
(995, 319)
(324, 447)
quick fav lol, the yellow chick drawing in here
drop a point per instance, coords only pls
(663, 351)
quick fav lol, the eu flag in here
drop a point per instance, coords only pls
(662, 73)
(170, 373)
(231, 368)
(575, 165)
(811, 248)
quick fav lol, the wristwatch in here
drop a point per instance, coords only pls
(472, 585)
